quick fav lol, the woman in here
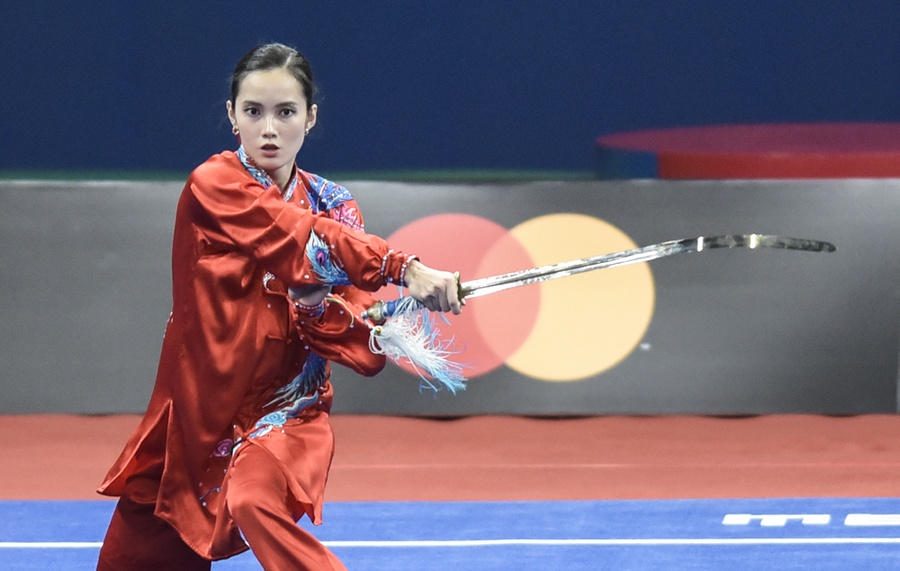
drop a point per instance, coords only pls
(270, 271)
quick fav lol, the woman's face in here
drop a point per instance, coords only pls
(270, 113)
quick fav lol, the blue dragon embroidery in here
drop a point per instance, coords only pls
(297, 395)
(320, 259)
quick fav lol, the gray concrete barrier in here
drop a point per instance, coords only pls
(86, 294)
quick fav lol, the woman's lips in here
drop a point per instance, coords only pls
(269, 150)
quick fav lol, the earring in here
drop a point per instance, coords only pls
(235, 130)
(306, 132)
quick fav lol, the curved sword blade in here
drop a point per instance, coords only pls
(494, 284)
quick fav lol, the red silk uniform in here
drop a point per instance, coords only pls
(234, 341)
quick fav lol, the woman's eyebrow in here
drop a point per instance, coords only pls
(288, 103)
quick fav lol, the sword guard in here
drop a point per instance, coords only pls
(461, 290)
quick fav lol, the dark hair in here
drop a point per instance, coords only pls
(274, 56)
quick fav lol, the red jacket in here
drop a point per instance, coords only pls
(231, 342)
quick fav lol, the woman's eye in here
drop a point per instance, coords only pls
(252, 111)
(287, 112)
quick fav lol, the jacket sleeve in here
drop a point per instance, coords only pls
(335, 331)
(297, 246)
(338, 334)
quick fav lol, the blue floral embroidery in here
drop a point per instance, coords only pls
(325, 195)
(278, 418)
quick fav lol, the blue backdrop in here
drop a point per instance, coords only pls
(432, 85)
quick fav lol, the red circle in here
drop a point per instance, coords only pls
(475, 247)
(506, 318)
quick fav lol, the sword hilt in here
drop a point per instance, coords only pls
(382, 310)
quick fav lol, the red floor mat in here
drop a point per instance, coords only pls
(513, 458)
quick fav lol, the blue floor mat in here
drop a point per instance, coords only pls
(639, 535)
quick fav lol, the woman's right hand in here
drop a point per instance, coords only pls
(436, 289)
(309, 295)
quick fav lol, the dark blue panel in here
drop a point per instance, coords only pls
(412, 85)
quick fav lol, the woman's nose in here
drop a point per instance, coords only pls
(270, 126)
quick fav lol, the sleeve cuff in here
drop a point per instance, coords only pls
(394, 265)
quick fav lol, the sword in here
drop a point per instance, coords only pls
(382, 310)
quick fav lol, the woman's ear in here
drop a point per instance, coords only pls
(311, 117)
(230, 111)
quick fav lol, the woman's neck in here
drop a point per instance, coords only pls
(282, 179)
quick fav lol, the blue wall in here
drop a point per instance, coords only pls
(423, 85)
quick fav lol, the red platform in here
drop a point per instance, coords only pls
(819, 150)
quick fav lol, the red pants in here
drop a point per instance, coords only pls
(256, 496)
(137, 540)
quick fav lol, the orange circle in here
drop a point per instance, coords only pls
(590, 322)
